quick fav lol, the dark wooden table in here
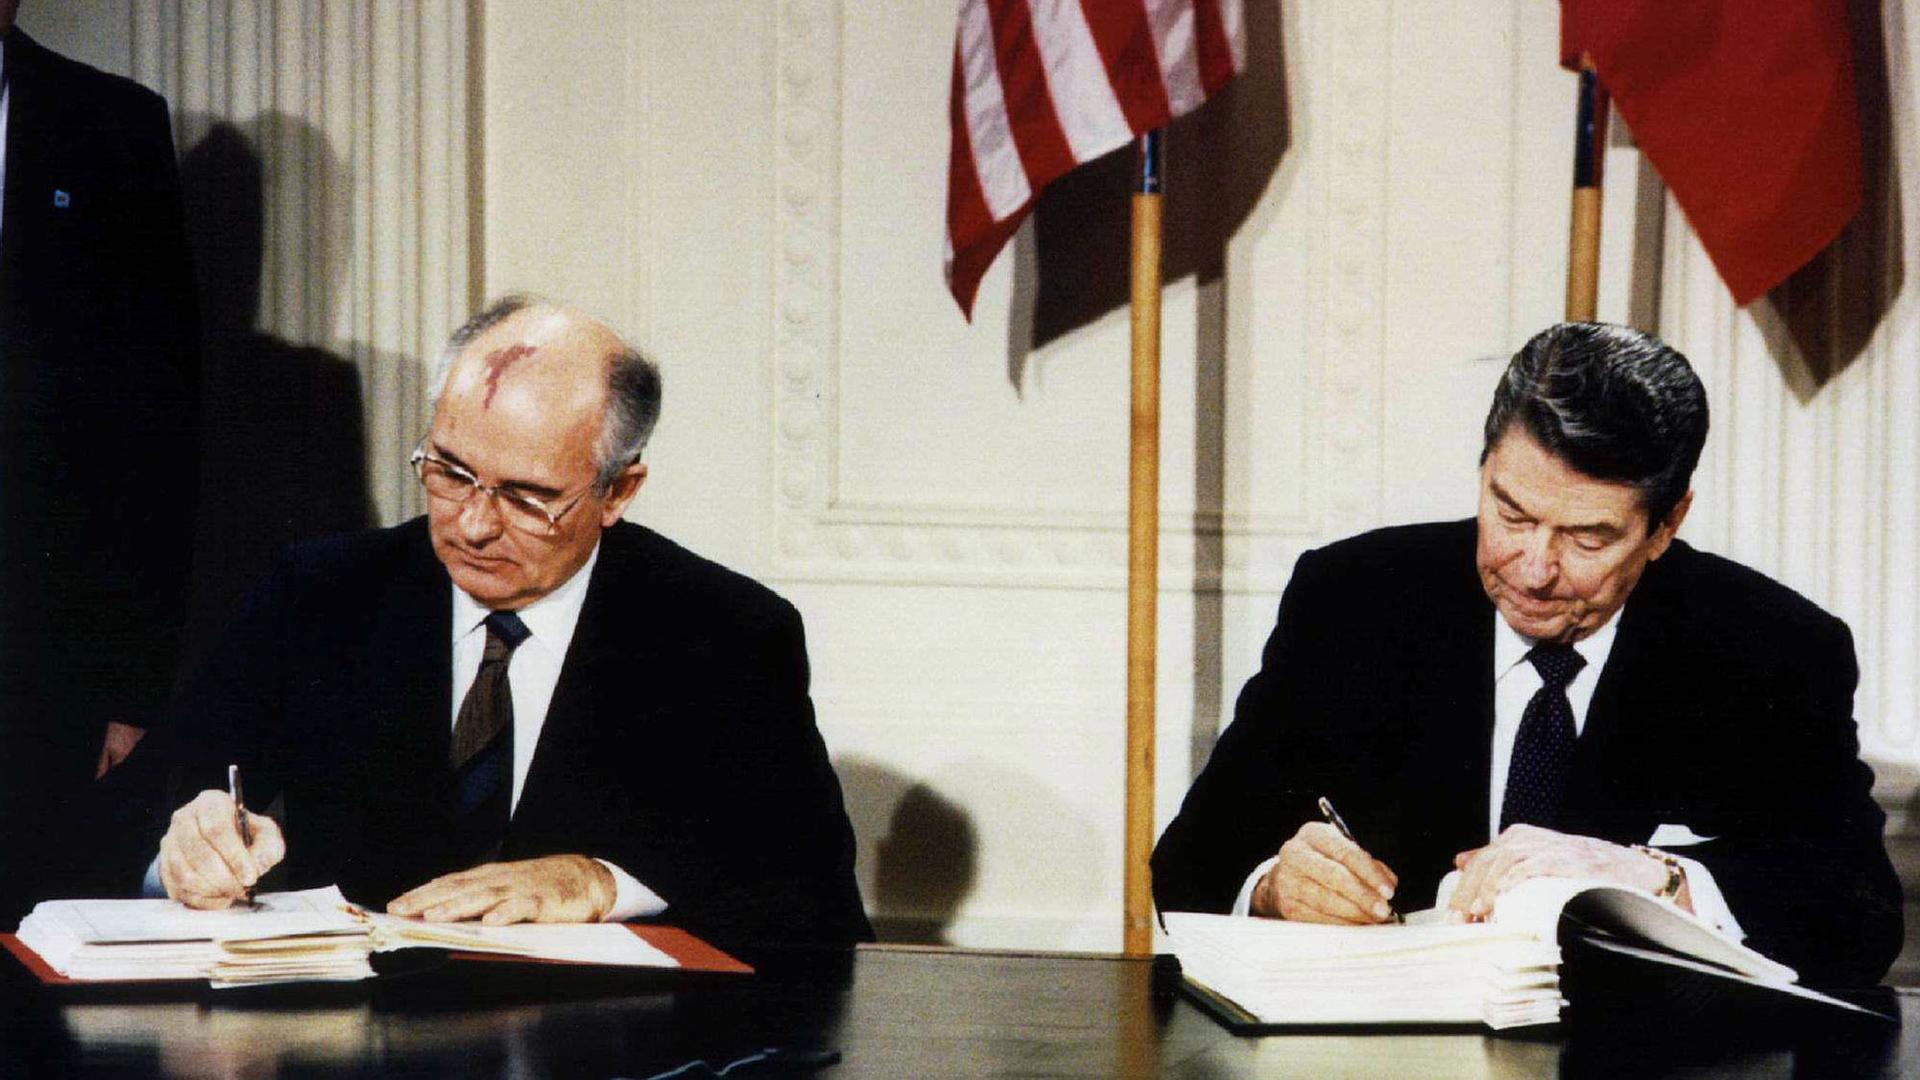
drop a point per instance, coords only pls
(898, 1013)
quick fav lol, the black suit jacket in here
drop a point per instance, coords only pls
(1725, 706)
(680, 743)
(98, 461)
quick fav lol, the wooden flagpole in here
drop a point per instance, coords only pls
(1589, 158)
(1143, 548)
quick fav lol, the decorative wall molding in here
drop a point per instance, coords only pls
(1354, 38)
(821, 535)
(358, 114)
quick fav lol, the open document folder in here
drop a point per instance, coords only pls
(314, 935)
(1503, 973)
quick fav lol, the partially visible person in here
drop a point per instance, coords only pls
(98, 461)
(1558, 687)
(521, 707)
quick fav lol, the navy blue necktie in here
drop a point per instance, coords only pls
(1543, 747)
(482, 753)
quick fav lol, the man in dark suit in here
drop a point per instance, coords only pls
(98, 415)
(1559, 687)
(657, 755)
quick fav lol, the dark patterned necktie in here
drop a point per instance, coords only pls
(482, 753)
(1543, 747)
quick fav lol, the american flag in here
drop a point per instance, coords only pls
(1040, 86)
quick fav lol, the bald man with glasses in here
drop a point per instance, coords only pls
(521, 707)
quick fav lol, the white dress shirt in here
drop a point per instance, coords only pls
(1515, 681)
(532, 673)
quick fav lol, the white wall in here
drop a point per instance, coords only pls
(1360, 232)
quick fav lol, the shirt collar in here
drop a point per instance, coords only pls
(1510, 646)
(549, 618)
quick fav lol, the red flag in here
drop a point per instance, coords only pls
(1040, 86)
(1748, 112)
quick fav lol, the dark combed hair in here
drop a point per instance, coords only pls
(1613, 403)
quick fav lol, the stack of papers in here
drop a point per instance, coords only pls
(1296, 973)
(314, 935)
(288, 937)
(1503, 972)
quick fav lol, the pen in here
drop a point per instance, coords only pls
(240, 820)
(1333, 818)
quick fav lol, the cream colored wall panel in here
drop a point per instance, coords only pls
(1258, 441)
(1540, 173)
(555, 192)
(705, 223)
(1270, 445)
(1349, 49)
(1449, 196)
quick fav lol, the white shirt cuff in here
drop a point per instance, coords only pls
(1708, 903)
(1243, 904)
(150, 887)
(631, 900)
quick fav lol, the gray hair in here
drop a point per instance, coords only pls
(633, 389)
(1613, 403)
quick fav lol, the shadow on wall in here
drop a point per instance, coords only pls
(1821, 319)
(283, 452)
(917, 852)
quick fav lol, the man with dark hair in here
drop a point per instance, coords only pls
(1557, 687)
(521, 707)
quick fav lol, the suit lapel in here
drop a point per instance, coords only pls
(1445, 717)
(411, 705)
(1467, 658)
(609, 650)
(1632, 695)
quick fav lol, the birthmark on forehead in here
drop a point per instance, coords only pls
(498, 361)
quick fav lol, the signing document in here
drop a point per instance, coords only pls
(1504, 972)
(312, 935)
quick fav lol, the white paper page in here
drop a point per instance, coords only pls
(1535, 906)
(313, 911)
(589, 943)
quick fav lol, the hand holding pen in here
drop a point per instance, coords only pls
(1323, 875)
(216, 849)
(245, 828)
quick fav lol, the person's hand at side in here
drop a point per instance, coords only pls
(204, 863)
(118, 742)
(1321, 876)
(557, 888)
(1528, 851)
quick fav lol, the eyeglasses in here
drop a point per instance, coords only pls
(445, 480)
